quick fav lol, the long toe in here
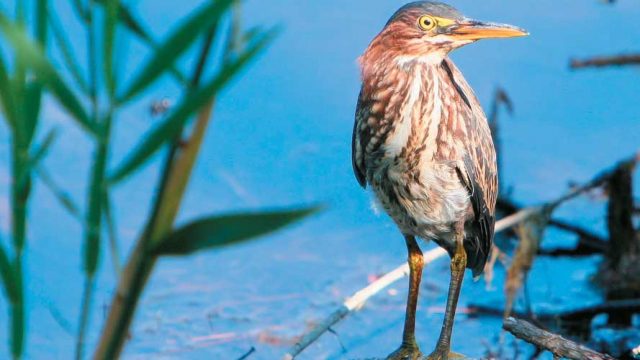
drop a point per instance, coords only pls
(445, 355)
(406, 353)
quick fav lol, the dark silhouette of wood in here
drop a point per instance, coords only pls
(624, 241)
(556, 344)
(603, 61)
(589, 243)
(575, 322)
(619, 217)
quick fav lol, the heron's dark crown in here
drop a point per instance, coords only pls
(429, 7)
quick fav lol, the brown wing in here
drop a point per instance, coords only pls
(479, 172)
(357, 142)
(478, 244)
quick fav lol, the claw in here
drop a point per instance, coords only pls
(406, 353)
(444, 355)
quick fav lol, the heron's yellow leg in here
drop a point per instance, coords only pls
(458, 266)
(409, 349)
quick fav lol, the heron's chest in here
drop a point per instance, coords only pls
(413, 134)
(413, 170)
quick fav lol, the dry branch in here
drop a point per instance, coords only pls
(575, 321)
(603, 61)
(556, 344)
(530, 233)
(358, 300)
(588, 242)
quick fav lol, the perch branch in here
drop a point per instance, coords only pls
(556, 344)
(358, 300)
(602, 61)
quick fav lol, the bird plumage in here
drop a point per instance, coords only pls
(421, 140)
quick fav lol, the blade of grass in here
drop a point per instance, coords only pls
(112, 232)
(176, 121)
(126, 17)
(93, 231)
(17, 313)
(41, 151)
(6, 272)
(31, 108)
(32, 55)
(135, 26)
(66, 51)
(109, 32)
(92, 58)
(34, 159)
(42, 8)
(62, 196)
(218, 231)
(177, 43)
(6, 95)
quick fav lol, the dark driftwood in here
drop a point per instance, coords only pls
(556, 344)
(589, 243)
(625, 244)
(619, 213)
(602, 61)
(575, 322)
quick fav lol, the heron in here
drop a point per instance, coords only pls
(422, 143)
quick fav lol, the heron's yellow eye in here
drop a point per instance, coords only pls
(426, 22)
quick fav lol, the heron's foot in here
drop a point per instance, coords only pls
(406, 352)
(444, 355)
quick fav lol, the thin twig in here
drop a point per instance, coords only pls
(556, 344)
(589, 242)
(358, 300)
(247, 354)
(603, 61)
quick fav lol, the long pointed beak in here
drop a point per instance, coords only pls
(476, 30)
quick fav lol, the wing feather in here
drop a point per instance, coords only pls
(357, 146)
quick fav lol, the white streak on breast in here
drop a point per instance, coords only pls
(398, 139)
(435, 117)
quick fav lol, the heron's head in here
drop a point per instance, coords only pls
(430, 30)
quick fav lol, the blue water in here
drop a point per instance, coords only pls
(281, 136)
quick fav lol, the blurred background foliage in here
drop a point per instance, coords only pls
(93, 98)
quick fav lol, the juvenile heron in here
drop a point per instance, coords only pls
(422, 142)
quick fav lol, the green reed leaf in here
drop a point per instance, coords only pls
(176, 44)
(6, 274)
(6, 95)
(109, 32)
(68, 56)
(218, 231)
(193, 102)
(32, 55)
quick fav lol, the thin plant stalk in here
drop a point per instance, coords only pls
(95, 196)
(175, 177)
(26, 94)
